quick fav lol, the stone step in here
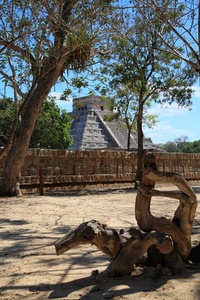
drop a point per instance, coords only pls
(83, 125)
(89, 145)
(88, 134)
(87, 130)
(87, 118)
(89, 142)
(81, 128)
(100, 138)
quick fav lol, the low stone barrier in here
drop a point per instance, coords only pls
(63, 168)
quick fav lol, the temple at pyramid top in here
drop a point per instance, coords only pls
(90, 103)
(90, 131)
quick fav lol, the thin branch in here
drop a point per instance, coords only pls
(157, 9)
(26, 53)
(9, 78)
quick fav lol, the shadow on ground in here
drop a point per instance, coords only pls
(22, 241)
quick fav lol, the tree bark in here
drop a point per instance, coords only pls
(180, 228)
(22, 137)
(140, 143)
(129, 138)
(46, 69)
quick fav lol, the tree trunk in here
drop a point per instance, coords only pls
(129, 138)
(140, 144)
(22, 137)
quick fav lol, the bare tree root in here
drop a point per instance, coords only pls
(164, 240)
(180, 228)
(125, 250)
(93, 232)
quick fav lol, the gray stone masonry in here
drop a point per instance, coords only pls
(90, 131)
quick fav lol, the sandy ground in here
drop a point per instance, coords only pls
(30, 269)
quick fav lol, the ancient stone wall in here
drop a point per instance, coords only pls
(67, 168)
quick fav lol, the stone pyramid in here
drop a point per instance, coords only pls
(90, 131)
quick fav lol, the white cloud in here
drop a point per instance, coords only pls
(57, 96)
(54, 94)
(62, 103)
(167, 110)
(163, 132)
(196, 91)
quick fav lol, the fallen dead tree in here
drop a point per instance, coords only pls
(165, 241)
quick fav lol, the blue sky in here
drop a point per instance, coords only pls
(174, 121)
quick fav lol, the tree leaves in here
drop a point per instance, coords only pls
(52, 128)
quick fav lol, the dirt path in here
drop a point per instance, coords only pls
(30, 269)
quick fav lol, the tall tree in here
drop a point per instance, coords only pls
(191, 147)
(7, 116)
(182, 19)
(124, 109)
(44, 38)
(52, 127)
(149, 74)
(176, 145)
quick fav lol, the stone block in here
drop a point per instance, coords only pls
(62, 152)
(29, 152)
(36, 161)
(117, 154)
(99, 165)
(78, 170)
(27, 180)
(79, 154)
(42, 161)
(50, 171)
(54, 153)
(49, 161)
(26, 172)
(35, 179)
(35, 152)
(105, 154)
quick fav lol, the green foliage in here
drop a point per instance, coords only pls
(52, 128)
(169, 147)
(175, 146)
(35, 34)
(7, 116)
(191, 147)
(65, 94)
(139, 73)
(147, 71)
(179, 19)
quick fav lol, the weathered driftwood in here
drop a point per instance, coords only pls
(167, 240)
(136, 247)
(124, 249)
(180, 228)
(93, 232)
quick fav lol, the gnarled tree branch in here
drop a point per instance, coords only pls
(180, 228)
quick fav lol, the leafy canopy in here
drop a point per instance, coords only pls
(52, 128)
(135, 70)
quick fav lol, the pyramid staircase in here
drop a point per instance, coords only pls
(88, 133)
